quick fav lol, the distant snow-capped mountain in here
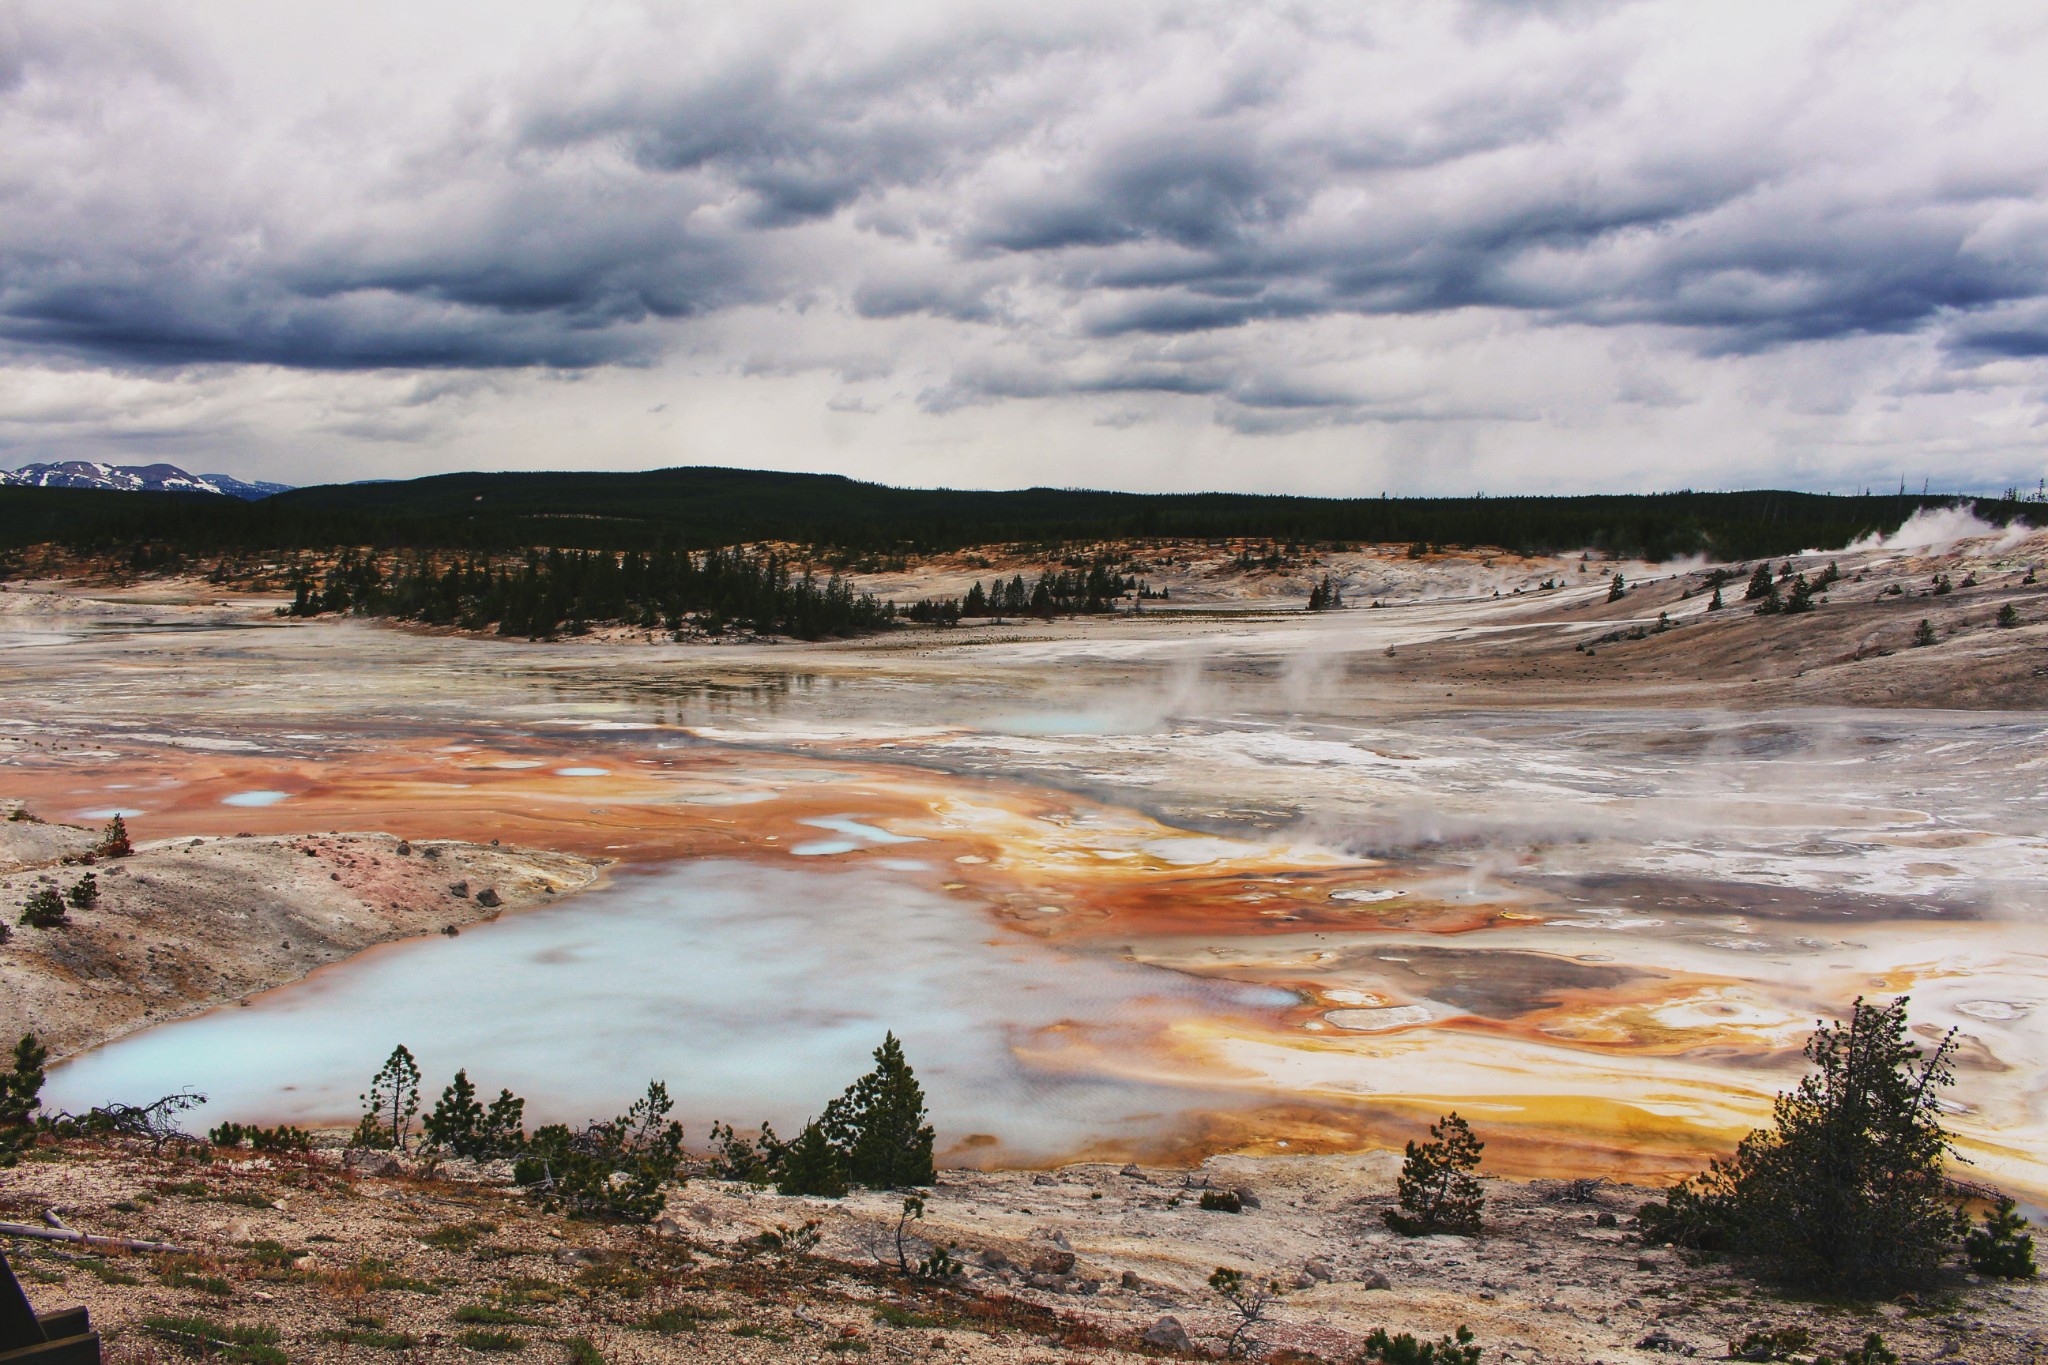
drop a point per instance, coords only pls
(130, 478)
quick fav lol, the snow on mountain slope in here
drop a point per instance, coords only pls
(147, 478)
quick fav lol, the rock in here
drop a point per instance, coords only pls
(1044, 1179)
(1038, 1280)
(1318, 1268)
(994, 1259)
(667, 1227)
(1168, 1335)
(1130, 1280)
(488, 899)
(404, 849)
(1663, 1342)
(1055, 1262)
(1302, 1280)
(1246, 1199)
(1652, 1261)
(459, 890)
(1605, 1220)
(1375, 1279)
(1131, 1169)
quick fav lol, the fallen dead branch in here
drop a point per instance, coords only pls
(87, 1239)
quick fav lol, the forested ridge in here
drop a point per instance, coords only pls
(699, 508)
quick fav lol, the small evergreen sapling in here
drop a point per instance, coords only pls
(84, 893)
(461, 1124)
(391, 1105)
(114, 840)
(1404, 1349)
(812, 1165)
(1437, 1188)
(2001, 1245)
(44, 909)
(1924, 635)
(1248, 1302)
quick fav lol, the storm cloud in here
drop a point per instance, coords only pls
(1292, 217)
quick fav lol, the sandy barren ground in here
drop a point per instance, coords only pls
(184, 925)
(1063, 1267)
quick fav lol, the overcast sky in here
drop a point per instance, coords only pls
(1330, 248)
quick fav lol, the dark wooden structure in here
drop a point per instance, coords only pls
(64, 1338)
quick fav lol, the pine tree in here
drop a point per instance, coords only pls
(114, 840)
(812, 1165)
(1759, 584)
(84, 893)
(392, 1103)
(1437, 1189)
(2001, 1245)
(44, 909)
(21, 1088)
(878, 1124)
(1845, 1192)
(1714, 603)
(1924, 635)
(456, 1120)
(1617, 589)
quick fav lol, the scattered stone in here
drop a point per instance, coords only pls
(1246, 1199)
(1375, 1279)
(1318, 1268)
(488, 898)
(1044, 1179)
(1605, 1220)
(1055, 1262)
(994, 1259)
(1131, 1169)
(459, 890)
(404, 849)
(1168, 1335)
(1131, 1280)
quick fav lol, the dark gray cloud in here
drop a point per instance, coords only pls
(1201, 203)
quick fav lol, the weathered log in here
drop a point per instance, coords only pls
(89, 1239)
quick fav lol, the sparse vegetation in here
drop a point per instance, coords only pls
(620, 1169)
(44, 909)
(1404, 1349)
(1438, 1191)
(1247, 1301)
(2000, 1245)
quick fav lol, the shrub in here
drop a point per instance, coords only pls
(44, 909)
(482, 1339)
(282, 1138)
(1923, 634)
(253, 1345)
(1221, 1201)
(1437, 1189)
(1617, 589)
(2001, 1245)
(1871, 1352)
(114, 840)
(461, 1124)
(84, 893)
(2008, 616)
(392, 1103)
(21, 1089)
(1247, 1302)
(1770, 1343)
(1404, 1349)
(619, 1169)
(1845, 1192)
(753, 1160)
(812, 1165)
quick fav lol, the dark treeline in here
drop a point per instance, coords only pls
(1065, 593)
(548, 593)
(665, 509)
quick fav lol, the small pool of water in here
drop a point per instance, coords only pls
(754, 992)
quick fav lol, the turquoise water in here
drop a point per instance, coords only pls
(753, 992)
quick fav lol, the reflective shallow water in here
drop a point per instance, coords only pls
(746, 989)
